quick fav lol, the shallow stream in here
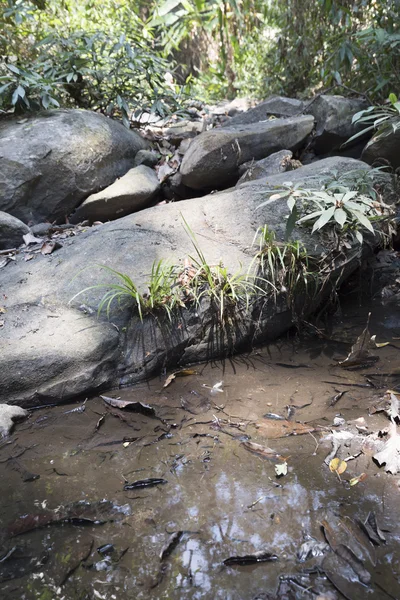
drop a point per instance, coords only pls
(220, 499)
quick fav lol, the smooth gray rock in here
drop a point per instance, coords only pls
(333, 115)
(148, 158)
(53, 160)
(41, 229)
(383, 146)
(8, 415)
(132, 192)
(213, 158)
(279, 162)
(11, 231)
(51, 351)
(277, 106)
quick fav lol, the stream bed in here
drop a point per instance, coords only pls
(210, 517)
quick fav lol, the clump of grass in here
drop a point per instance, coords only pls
(215, 282)
(287, 265)
(162, 290)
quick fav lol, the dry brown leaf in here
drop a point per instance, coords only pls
(359, 353)
(276, 429)
(389, 454)
(48, 247)
(263, 451)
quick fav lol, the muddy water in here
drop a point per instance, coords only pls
(226, 500)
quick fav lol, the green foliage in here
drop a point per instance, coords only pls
(79, 54)
(162, 293)
(215, 282)
(383, 119)
(348, 203)
(288, 266)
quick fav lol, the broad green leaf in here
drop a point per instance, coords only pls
(291, 222)
(291, 203)
(167, 7)
(12, 68)
(311, 216)
(324, 219)
(20, 91)
(340, 216)
(5, 86)
(365, 222)
(359, 236)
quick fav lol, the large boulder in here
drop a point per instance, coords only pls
(53, 160)
(333, 121)
(133, 191)
(276, 106)
(51, 350)
(214, 157)
(278, 162)
(11, 231)
(384, 147)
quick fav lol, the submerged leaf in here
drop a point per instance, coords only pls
(358, 479)
(170, 544)
(337, 466)
(138, 407)
(250, 559)
(262, 451)
(276, 429)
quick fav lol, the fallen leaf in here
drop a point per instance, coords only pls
(390, 404)
(164, 171)
(337, 466)
(281, 470)
(126, 444)
(276, 429)
(48, 247)
(358, 479)
(375, 344)
(250, 559)
(31, 239)
(139, 407)
(144, 483)
(2, 310)
(169, 380)
(359, 353)
(389, 455)
(170, 544)
(372, 529)
(262, 451)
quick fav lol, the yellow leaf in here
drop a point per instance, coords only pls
(126, 444)
(356, 480)
(169, 380)
(337, 466)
